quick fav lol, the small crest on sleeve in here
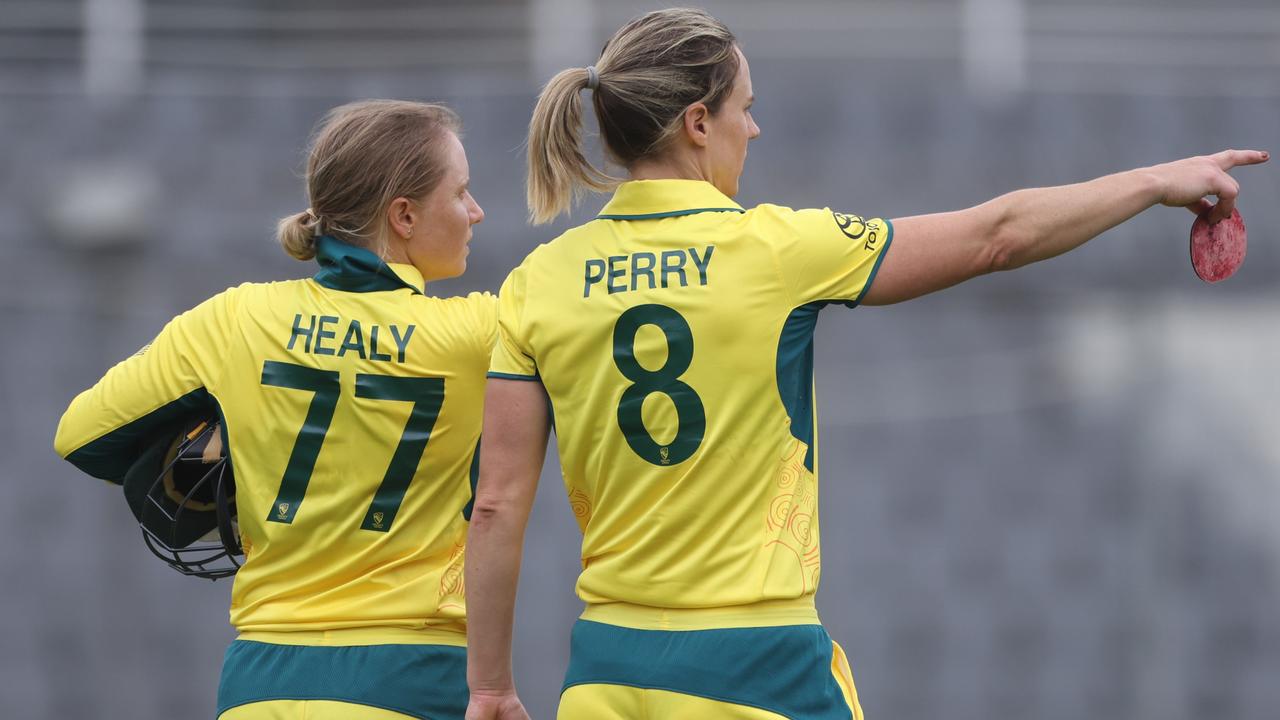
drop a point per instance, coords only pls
(855, 227)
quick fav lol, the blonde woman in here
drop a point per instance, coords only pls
(351, 405)
(673, 336)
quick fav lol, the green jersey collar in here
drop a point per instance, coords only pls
(352, 269)
(652, 199)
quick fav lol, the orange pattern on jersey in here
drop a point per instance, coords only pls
(452, 587)
(793, 513)
(580, 504)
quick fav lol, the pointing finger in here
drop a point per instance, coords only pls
(1228, 159)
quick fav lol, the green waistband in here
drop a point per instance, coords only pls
(784, 670)
(428, 682)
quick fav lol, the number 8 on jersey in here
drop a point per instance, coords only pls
(666, 380)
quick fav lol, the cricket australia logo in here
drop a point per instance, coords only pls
(664, 454)
(377, 521)
(283, 509)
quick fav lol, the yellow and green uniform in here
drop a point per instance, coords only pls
(674, 337)
(351, 404)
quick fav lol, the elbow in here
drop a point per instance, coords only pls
(1004, 249)
(489, 512)
(998, 258)
(1000, 239)
(484, 514)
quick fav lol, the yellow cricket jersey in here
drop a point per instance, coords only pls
(674, 336)
(352, 407)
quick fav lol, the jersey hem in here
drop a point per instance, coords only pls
(727, 700)
(290, 697)
(358, 636)
(767, 613)
(512, 376)
(888, 240)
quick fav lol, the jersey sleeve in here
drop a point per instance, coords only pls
(513, 358)
(107, 425)
(829, 256)
(482, 309)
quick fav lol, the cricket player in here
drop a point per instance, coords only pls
(669, 341)
(351, 405)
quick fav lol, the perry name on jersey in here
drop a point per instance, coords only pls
(623, 273)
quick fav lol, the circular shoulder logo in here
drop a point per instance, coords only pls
(853, 226)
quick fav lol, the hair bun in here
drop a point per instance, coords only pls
(297, 234)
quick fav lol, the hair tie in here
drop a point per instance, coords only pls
(593, 78)
(312, 221)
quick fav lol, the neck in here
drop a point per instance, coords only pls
(673, 166)
(394, 252)
(391, 249)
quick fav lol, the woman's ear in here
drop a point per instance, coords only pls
(695, 124)
(402, 217)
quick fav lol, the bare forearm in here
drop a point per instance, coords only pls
(494, 545)
(932, 252)
(515, 432)
(1040, 223)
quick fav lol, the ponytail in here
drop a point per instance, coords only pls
(649, 72)
(297, 234)
(559, 171)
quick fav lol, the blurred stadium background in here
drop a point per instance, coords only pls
(1046, 494)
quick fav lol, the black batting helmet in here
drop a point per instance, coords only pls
(182, 492)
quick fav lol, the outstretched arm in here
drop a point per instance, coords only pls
(932, 252)
(515, 442)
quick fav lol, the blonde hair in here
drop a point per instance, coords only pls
(364, 155)
(648, 73)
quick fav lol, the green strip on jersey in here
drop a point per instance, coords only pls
(888, 240)
(795, 373)
(109, 457)
(795, 359)
(474, 477)
(785, 670)
(428, 682)
(512, 376)
(673, 213)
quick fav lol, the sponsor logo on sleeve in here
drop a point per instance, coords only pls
(855, 227)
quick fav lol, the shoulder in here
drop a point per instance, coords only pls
(221, 306)
(803, 219)
(254, 297)
(569, 242)
(471, 305)
(472, 315)
(809, 223)
(543, 260)
(252, 292)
